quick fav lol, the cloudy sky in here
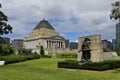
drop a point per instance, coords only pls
(71, 18)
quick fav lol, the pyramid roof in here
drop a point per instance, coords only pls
(44, 24)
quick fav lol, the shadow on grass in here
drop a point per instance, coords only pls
(116, 71)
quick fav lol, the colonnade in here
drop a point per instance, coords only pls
(56, 44)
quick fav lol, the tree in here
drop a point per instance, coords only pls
(7, 50)
(115, 12)
(41, 51)
(4, 27)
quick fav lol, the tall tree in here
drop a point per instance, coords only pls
(115, 12)
(4, 27)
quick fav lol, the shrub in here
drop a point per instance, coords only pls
(10, 59)
(46, 56)
(21, 57)
(68, 64)
(6, 50)
(18, 58)
(99, 66)
(69, 55)
(32, 56)
(24, 51)
(42, 51)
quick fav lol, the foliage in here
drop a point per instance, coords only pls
(4, 27)
(115, 12)
(2, 40)
(18, 58)
(6, 50)
(42, 53)
(106, 65)
(98, 66)
(32, 56)
(28, 57)
(68, 64)
(63, 55)
(10, 59)
(24, 51)
(69, 55)
(47, 56)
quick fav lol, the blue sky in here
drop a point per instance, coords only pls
(70, 18)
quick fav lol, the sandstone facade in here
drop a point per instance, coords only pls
(44, 35)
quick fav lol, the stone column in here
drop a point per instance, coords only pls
(61, 44)
(52, 44)
(54, 51)
(57, 44)
(47, 44)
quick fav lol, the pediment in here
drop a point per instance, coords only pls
(57, 38)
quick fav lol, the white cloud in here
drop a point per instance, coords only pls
(77, 15)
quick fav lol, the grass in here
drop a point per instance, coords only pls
(46, 69)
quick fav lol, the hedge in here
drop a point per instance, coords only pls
(98, 66)
(18, 58)
(69, 55)
(62, 55)
(10, 59)
(68, 64)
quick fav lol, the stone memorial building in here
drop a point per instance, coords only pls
(95, 46)
(44, 35)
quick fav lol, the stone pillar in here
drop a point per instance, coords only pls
(54, 51)
(47, 44)
(59, 44)
(51, 44)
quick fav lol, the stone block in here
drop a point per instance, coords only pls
(96, 47)
(2, 63)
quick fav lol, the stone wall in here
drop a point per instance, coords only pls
(35, 44)
(96, 47)
(41, 33)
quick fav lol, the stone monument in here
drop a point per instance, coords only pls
(86, 51)
(54, 51)
(95, 46)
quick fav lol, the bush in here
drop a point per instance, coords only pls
(24, 51)
(69, 55)
(6, 50)
(18, 58)
(42, 53)
(32, 56)
(10, 59)
(68, 64)
(46, 56)
(21, 57)
(99, 66)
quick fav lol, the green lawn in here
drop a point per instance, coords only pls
(46, 69)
